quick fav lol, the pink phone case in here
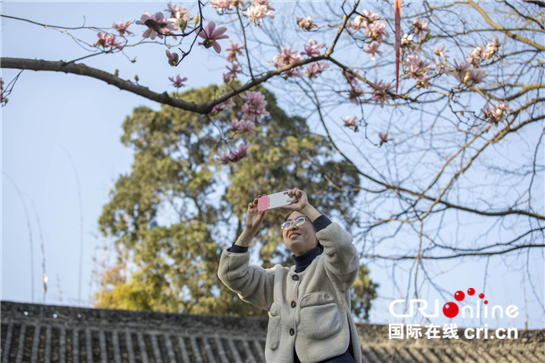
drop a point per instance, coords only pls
(273, 201)
(263, 203)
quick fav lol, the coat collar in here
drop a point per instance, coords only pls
(304, 260)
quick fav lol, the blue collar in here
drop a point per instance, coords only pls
(304, 260)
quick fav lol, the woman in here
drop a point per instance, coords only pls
(309, 303)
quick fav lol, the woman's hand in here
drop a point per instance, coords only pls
(253, 216)
(301, 200)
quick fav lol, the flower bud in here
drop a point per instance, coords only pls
(196, 19)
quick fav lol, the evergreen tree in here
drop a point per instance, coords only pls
(180, 207)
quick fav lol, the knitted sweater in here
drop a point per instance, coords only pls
(301, 263)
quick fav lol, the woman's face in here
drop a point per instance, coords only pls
(299, 239)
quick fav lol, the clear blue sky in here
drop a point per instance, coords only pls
(53, 117)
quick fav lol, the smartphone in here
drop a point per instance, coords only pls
(273, 201)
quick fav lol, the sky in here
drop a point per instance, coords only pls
(61, 154)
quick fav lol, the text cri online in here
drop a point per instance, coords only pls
(499, 333)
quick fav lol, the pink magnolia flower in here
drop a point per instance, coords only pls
(350, 75)
(358, 23)
(440, 51)
(380, 92)
(122, 28)
(350, 122)
(371, 16)
(287, 57)
(243, 126)
(407, 42)
(314, 69)
(354, 94)
(223, 106)
(372, 49)
(422, 82)
(420, 28)
(254, 108)
(237, 155)
(173, 58)
(376, 31)
(178, 12)
(178, 82)
(179, 21)
(256, 13)
(383, 137)
(460, 71)
(475, 56)
(467, 74)
(211, 36)
(475, 76)
(232, 72)
(221, 5)
(306, 24)
(416, 67)
(106, 40)
(492, 48)
(266, 3)
(233, 50)
(312, 48)
(157, 25)
(497, 113)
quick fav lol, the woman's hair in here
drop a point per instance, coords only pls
(286, 218)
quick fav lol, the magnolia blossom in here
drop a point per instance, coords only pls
(467, 74)
(232, 51)
(312, 48)
(350, 122)
(256, 13)
(232, 72)
(223, 106)
(440, 51)
(179, 18)
(106, 40)
(254, 108)
(157, 25)
(492, 48)
(496, 113)
(306, 24)
(383, 137)
(476, 56)
(177, 11)
(237, 155)
(287, 57)
(243, 126)
(178, 82)
(221, 5)
(442, 67)
(314, 69)
(122, 28)
(354, 94)
(173, 58)
(376, 31)
(380, 92)
(350, 75)
(407, 43)
(371, 16)
(420, 27)
(416, 67)
(211, 36)
(372, 49)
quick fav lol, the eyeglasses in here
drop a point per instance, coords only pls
(297, 221)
